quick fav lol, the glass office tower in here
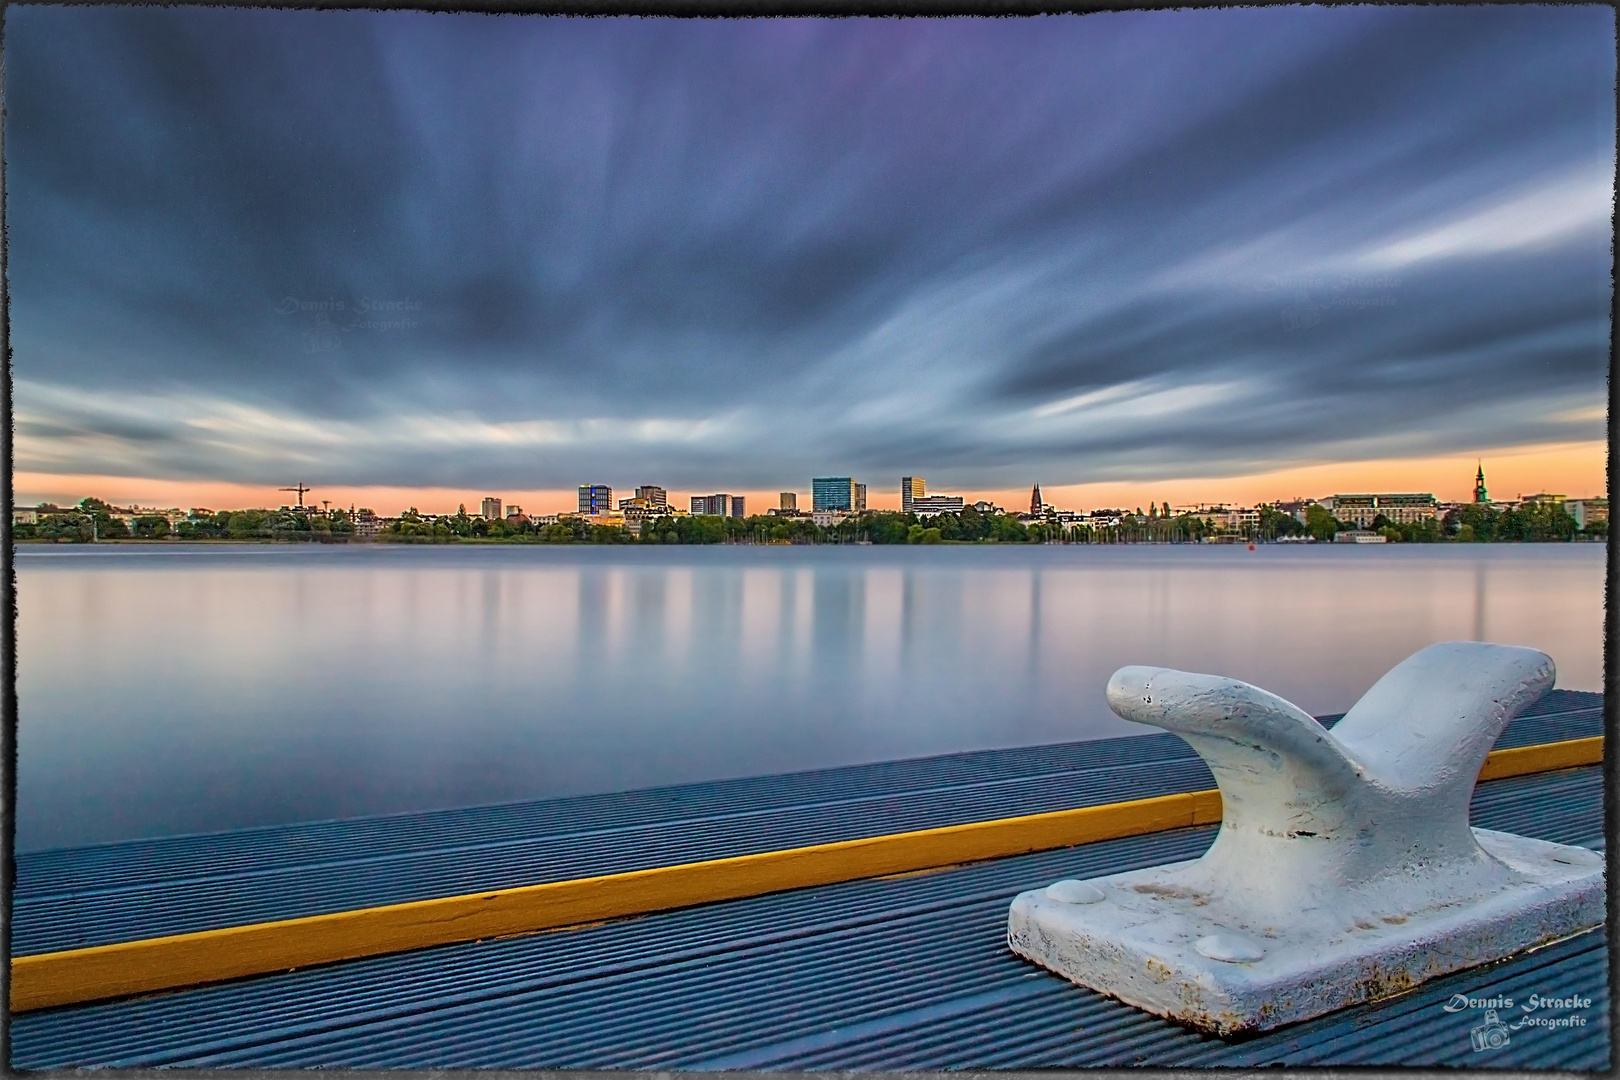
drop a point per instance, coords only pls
(832, 493)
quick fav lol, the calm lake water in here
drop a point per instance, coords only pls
(183, 689)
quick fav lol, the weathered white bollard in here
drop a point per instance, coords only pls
(1345, 869)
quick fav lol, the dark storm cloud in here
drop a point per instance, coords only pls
(402, 248)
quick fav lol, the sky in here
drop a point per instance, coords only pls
(413, 259)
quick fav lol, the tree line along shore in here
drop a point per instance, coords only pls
(93, 521)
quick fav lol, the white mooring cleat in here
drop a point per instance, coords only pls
(1345, 869)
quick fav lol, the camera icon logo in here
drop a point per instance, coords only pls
(1491, 1035)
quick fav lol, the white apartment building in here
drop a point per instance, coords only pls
(929, 505)
(1235, 519)
(1585, 511)
(1402, 509)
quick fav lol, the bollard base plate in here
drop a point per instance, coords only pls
(1154, 943)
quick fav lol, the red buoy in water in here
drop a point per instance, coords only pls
(1251, 547)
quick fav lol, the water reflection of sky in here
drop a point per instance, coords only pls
(180, 690)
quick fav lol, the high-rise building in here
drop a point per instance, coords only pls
(832, 493)
(492, 508)
(595, 499)
(714, 505)
(737, 506)
(911, 487)
(860, 498)
(1035, 501)
(656, 497)
(1480, 494)
(789, 501)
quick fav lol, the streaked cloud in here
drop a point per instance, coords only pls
(1576, 204)
(391, 249)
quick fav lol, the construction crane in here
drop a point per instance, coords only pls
(300, 489)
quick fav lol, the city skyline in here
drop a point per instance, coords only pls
(1228, 255)
(1507, 478)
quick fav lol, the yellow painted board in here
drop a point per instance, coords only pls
(210, 955)
(134, 967)
(1524, 760)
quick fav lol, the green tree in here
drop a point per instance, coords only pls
(1006, 529)
(1536, 523)
(557, 533)
(1426, 531)
(1319, 524)
(1274, 523)
(1481, 519)
(247, 524)
(65, 528)
(285, 525)
(887, 527)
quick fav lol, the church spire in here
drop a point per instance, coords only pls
(1480, 495)
(1035, 501)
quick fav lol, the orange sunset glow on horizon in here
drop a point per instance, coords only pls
(1572, 469)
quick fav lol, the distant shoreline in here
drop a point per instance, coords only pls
(513, 542)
